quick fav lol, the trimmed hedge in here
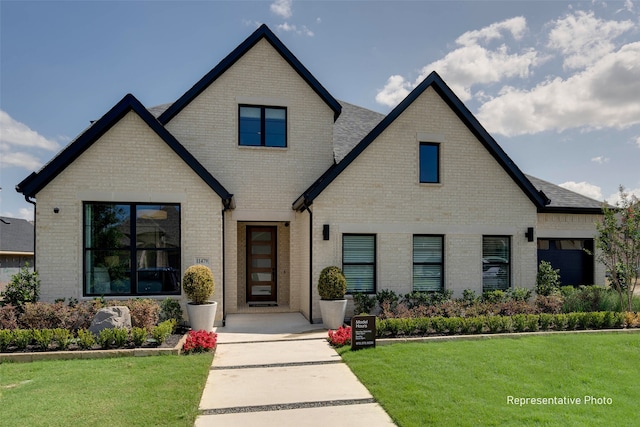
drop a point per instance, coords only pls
(429, 326)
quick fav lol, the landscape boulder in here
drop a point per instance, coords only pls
(111, 317)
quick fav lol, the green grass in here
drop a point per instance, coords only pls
(467, 383)
(128, 391)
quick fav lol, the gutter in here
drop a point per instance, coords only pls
(227, 204)
(310, 263)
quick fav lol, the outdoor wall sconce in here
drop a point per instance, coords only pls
(529, 234)
(325, 232)
(56, 210)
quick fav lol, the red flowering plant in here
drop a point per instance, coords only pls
(340, 337)
(200, 341)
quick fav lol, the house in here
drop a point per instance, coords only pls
(260, 173)
(16, 247)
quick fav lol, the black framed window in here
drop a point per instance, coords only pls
(496, 261)
(359, 262)
(428, 263)
(429, 163)
(131, 249)
(262, 126)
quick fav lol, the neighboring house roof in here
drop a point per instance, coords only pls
(31, 185)
(435, 81)
(263, 32)
(565, 201)
(16, 236)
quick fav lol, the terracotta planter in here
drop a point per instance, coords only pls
(202, 316)
(333, 312)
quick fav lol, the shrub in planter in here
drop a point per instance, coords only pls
(85, 339)
(363, 303)
(63, 337)
(332, 284)
(138, 336)
(161, 332)
(198, 284)
(22, 338)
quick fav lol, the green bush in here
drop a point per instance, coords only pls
(22, 338)
(198, 283)
(546, 321)
(520, 294)
(454, 324)
(533, 322)
(120, 337)
(6, 337)
(332, 284)
(24, 287)
(560, 321)
(494, 297)
(43, 338)
(547, 280)
(439, 324)
(387, 296)
(105, 338)
(363, 304)
(138, 336)
(170, 309)
(86, 339)
(494, 323)
(63, 337)
(145, 312)
(161, 332)
(519, 322)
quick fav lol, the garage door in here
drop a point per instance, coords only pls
(569, 255)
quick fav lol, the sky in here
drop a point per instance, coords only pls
(556, 83)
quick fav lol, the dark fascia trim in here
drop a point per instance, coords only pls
(435, 81)
(37, 181)
(262, 32)
(572, 210)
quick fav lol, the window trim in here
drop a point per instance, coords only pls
(374, 263)
(509, 261)
(441, 264)
(263, 133)
(133, 270)
(438, 146)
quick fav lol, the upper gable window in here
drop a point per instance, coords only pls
(429, 163)
(262, 126)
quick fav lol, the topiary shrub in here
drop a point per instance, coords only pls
(332, 284)
(547, 280)
(24, 287)
(198, 284)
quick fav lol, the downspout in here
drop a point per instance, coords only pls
(310, 264)
(33, 202)
(226, 203)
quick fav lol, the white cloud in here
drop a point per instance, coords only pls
(282, 8)
(303, 30)
(600, 160)
(471, 63)
(584, 188)
(19, 158)
(583, 39)
(23, 213)
(16, 133)
(603, 96)
(615, 197)
(638, 142)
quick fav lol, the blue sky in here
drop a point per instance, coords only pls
(556, 83)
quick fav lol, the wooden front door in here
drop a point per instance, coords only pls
(261, 264)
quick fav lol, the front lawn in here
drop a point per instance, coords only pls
(127, 391)
(477, 383)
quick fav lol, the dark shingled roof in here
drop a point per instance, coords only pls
(16, 235)
(563, 200)
(353, 124)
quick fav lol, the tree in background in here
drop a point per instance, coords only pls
(618, 245)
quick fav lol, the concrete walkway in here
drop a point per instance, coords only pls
(277, 370)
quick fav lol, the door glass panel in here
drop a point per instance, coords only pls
(260, 236)
(261, 290)
(261, 277)
(261, 263)
(261, 249)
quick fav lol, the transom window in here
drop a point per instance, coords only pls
(429, 162)
(428, 263)
(262, 126)
(496, 256)
(131, 249)
(359, 262)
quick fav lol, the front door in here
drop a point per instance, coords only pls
(261, 264)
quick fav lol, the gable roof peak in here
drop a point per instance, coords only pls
(262, 32)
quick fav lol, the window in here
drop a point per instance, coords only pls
(359, 262)
(263, 126)
(131, 249)
(428, 263)
(496, 255)
(429, 163)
